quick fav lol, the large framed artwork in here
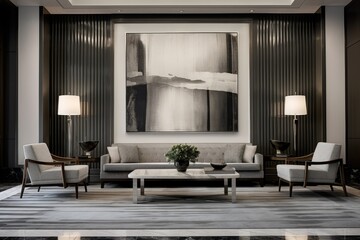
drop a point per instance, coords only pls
(182, 81)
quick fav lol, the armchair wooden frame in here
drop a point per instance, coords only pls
(304, 158)
(308, 162)
(61, 163)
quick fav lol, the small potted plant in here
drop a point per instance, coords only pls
(182, 154)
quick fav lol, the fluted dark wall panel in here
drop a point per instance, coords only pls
(286, 57)
(81, 64)
(284, 62)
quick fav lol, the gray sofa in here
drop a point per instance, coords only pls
(151, 156)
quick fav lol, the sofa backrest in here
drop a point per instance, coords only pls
(154, 152)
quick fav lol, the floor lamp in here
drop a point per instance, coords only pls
(69, 105)
(295, 105)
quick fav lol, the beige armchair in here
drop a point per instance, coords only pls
(45, 169)
(321, 167)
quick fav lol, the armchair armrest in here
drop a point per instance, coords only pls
(309, 163)
(304, 158)
(64, 159)
(43, 163)
(259, 158)
(104, 159)
(62, 167)
(325, 162)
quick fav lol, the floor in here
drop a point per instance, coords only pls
(180, 234)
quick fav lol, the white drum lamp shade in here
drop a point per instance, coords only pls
(69, 105)
(295, 105)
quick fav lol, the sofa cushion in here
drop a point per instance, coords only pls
(234, 153)
(245, 166)
(114, 154)
(249, 153)
(116, 167)
(129, 153)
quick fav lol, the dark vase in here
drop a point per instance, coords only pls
(181, 165)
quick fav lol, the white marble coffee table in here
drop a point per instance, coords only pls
(143, 174)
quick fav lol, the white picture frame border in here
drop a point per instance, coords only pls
(120, 134)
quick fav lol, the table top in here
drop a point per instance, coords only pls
(174, 174)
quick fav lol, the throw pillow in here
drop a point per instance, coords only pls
(234, 153)
(249, 153)
(114, 154)
(129, 154)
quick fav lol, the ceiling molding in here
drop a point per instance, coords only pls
(180, 6)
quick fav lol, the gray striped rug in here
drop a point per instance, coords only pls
(181, 208)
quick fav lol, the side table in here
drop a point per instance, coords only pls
(88, 161)
(270, 162)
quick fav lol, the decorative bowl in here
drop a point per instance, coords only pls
(88, 146)
(279, 146)
(218, 166)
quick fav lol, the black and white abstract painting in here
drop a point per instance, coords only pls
(182, 82)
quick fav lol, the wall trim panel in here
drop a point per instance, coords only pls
(80, 64)
(284, 62)
(285, 55)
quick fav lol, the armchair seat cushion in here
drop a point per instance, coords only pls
(296, 173)
(73, 174)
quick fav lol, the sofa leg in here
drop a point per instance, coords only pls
(261, 182)
(102, 184)
(331, 187)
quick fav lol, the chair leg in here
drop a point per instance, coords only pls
(85, 186)
(290, 189)
(279, 185)
(24, 180)
(342, 177)
(22, 190)
(331, 187)
(77, 191)
(344, 189)
(39, 188)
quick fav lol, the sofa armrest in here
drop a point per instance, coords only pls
(104, 159)
(259, 158)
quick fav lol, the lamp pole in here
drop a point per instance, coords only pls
(295, 121)
(69, 130)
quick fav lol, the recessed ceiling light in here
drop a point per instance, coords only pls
(252, 10)
(181, 11)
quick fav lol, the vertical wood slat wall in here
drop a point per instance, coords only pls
(80, 64)
(284, 62)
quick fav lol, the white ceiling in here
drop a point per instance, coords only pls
(180, 6)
